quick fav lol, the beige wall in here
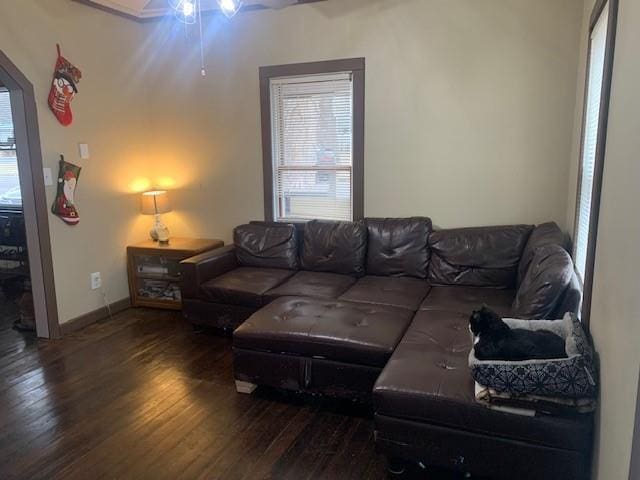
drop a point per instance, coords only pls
(109, 115)
(615, 310)
(459, 95)
(469, 106)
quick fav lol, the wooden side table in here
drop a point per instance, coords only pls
(154, 270)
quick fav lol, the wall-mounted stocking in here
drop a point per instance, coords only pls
(64, 205)
(63, 89)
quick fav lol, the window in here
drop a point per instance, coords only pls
(313, 132)
(596, 108)
(9, 181)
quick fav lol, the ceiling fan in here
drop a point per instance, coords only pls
(188, 12)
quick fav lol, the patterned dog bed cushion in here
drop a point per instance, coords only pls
(571, 377)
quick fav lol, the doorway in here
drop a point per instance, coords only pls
(16, 299)
(24, 145)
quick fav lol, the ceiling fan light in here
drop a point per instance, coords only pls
(188, 8)
(229, 7)
(185, 10)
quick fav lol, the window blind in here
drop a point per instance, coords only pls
(6, 124)
(590, 139)
(9, 179)
(312, 141)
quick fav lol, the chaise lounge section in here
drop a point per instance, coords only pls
(426, 412)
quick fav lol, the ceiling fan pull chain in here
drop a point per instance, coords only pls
(203, 71)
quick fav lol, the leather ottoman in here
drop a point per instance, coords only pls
(319, 346)
(425, 410)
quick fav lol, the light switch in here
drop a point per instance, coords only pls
(84, 151)
(48, 177)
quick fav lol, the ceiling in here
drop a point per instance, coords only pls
(149, 9)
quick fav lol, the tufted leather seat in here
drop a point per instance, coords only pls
(326, 329)
(312, 284)
(466, 299)
(405, 292)
(244, 286)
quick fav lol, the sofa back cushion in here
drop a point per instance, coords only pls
(337, 247)
(544, 234)
(398, 246)
(478, 256)
(544, 285)
(266, 245)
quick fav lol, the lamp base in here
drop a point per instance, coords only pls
(159, 232)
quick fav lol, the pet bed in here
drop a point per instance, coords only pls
(571, 377)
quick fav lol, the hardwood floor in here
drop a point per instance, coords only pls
(144, 396)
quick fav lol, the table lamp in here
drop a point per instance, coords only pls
(155, 203)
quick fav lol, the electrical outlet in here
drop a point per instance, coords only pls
(96, 281)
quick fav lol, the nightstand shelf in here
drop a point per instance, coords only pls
(154, 270)
(158, 277)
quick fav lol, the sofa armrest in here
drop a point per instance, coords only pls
(196, 270)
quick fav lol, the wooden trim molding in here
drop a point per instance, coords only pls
(114, 11)
(94, 316)
(600, 147)
(143, 16)
(634, 468)
(598, 7)
(354, 65)
(34, 200)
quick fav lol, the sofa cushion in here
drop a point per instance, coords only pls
(405, 292)
(427, 379)
(333, 330)
(244, 286)
(337, 247)
(466, 299)
(477, 257)
(398, 246)
(312, 284)
(544, 234)
(266, 245)
(544, 284)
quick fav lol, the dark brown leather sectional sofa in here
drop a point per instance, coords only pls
(377, 310)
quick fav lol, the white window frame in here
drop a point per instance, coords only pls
(277, 155)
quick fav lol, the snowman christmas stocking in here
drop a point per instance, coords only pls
(64, 205)
(63, 89)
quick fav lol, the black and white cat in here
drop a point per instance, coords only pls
(495, 340)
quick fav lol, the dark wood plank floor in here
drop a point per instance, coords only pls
(144, 396)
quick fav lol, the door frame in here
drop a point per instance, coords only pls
(634, 468)
(34, 199)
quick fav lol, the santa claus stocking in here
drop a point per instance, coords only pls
(63, 89)
(64, 205)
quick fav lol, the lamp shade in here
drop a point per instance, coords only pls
(155, 202)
